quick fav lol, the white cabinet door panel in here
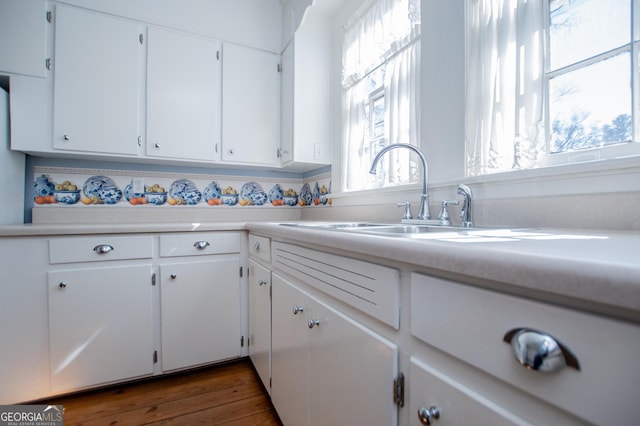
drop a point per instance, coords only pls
(290, 353)
(183, 95)
(457, 404)
(200, 312)
(351, 372)
(260, 321)
(23, 37)
(251, 114)
(100, 325)
(96, 82)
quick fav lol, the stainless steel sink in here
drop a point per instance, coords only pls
(398, 229)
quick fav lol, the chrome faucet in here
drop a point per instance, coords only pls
(466, 217)
(424, 213)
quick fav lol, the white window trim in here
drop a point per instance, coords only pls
(621, 175)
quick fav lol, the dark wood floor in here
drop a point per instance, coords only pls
(229, 394)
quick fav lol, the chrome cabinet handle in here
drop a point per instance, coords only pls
(313, 323)
(428, 415)
(256, 247)
(201, 245)
(298, 309)
(103, 248)
(263, 282)
(539, 351)
(157, 145)
(62, 284)
(66, 137)
(173, 276)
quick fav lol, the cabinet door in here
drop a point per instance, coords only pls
(251, 114)
(260, 321)
(23, 37)
(457, 404)
(289, 352)
(96, 82)
(286, 140)
(183, 95)
(200, 312)
(100, 325)
(351, 371)
(24, 347)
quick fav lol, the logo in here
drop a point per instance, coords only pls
(31, 415)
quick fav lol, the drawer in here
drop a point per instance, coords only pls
(199, 244)
(470, 324)
(260, 247)
(99, 248)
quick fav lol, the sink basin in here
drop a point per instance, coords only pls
(398, 229)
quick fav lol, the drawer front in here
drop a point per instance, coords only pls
(200, 244)
(99, 248)
(260, 247)
(470, 323)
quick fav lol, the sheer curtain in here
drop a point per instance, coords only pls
(383, 35)
(505, 85)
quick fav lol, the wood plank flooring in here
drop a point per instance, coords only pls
(228, 394)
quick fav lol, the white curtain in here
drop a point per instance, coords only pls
(402, 115)
(505, 85)
(384, 33)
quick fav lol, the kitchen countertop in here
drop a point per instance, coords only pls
(597, 271)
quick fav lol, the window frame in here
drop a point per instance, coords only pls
(608, 152)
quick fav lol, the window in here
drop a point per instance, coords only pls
(381, 57)
(550, 82)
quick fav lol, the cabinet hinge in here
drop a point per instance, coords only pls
(153, 279)
(141, 38)
(279, 67)
(398, 390)
(241, 271)
(49, 16)
(217, 55)
(47, 63)
(242, 341)
(155, 357)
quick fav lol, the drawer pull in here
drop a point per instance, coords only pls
(103, 248)
(428, 415)
(313, 323)
(256, 247)
(539, 351)
(263, 282)
(298, 309)
(201, 245)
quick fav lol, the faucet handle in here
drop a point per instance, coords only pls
(444, 212)
(407, 210)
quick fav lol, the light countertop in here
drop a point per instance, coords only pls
(598, 271)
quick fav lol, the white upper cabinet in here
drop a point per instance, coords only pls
(23, 37)
(306, 93)
(251, 113)
(183, 96)
(96, 68)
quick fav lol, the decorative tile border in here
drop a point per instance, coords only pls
(79, 188)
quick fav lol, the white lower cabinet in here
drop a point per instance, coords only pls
(100, 325)
(327, 369)
(436, 398)
(260, 321)
(200, 311)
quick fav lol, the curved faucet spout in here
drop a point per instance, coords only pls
(424, 213)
